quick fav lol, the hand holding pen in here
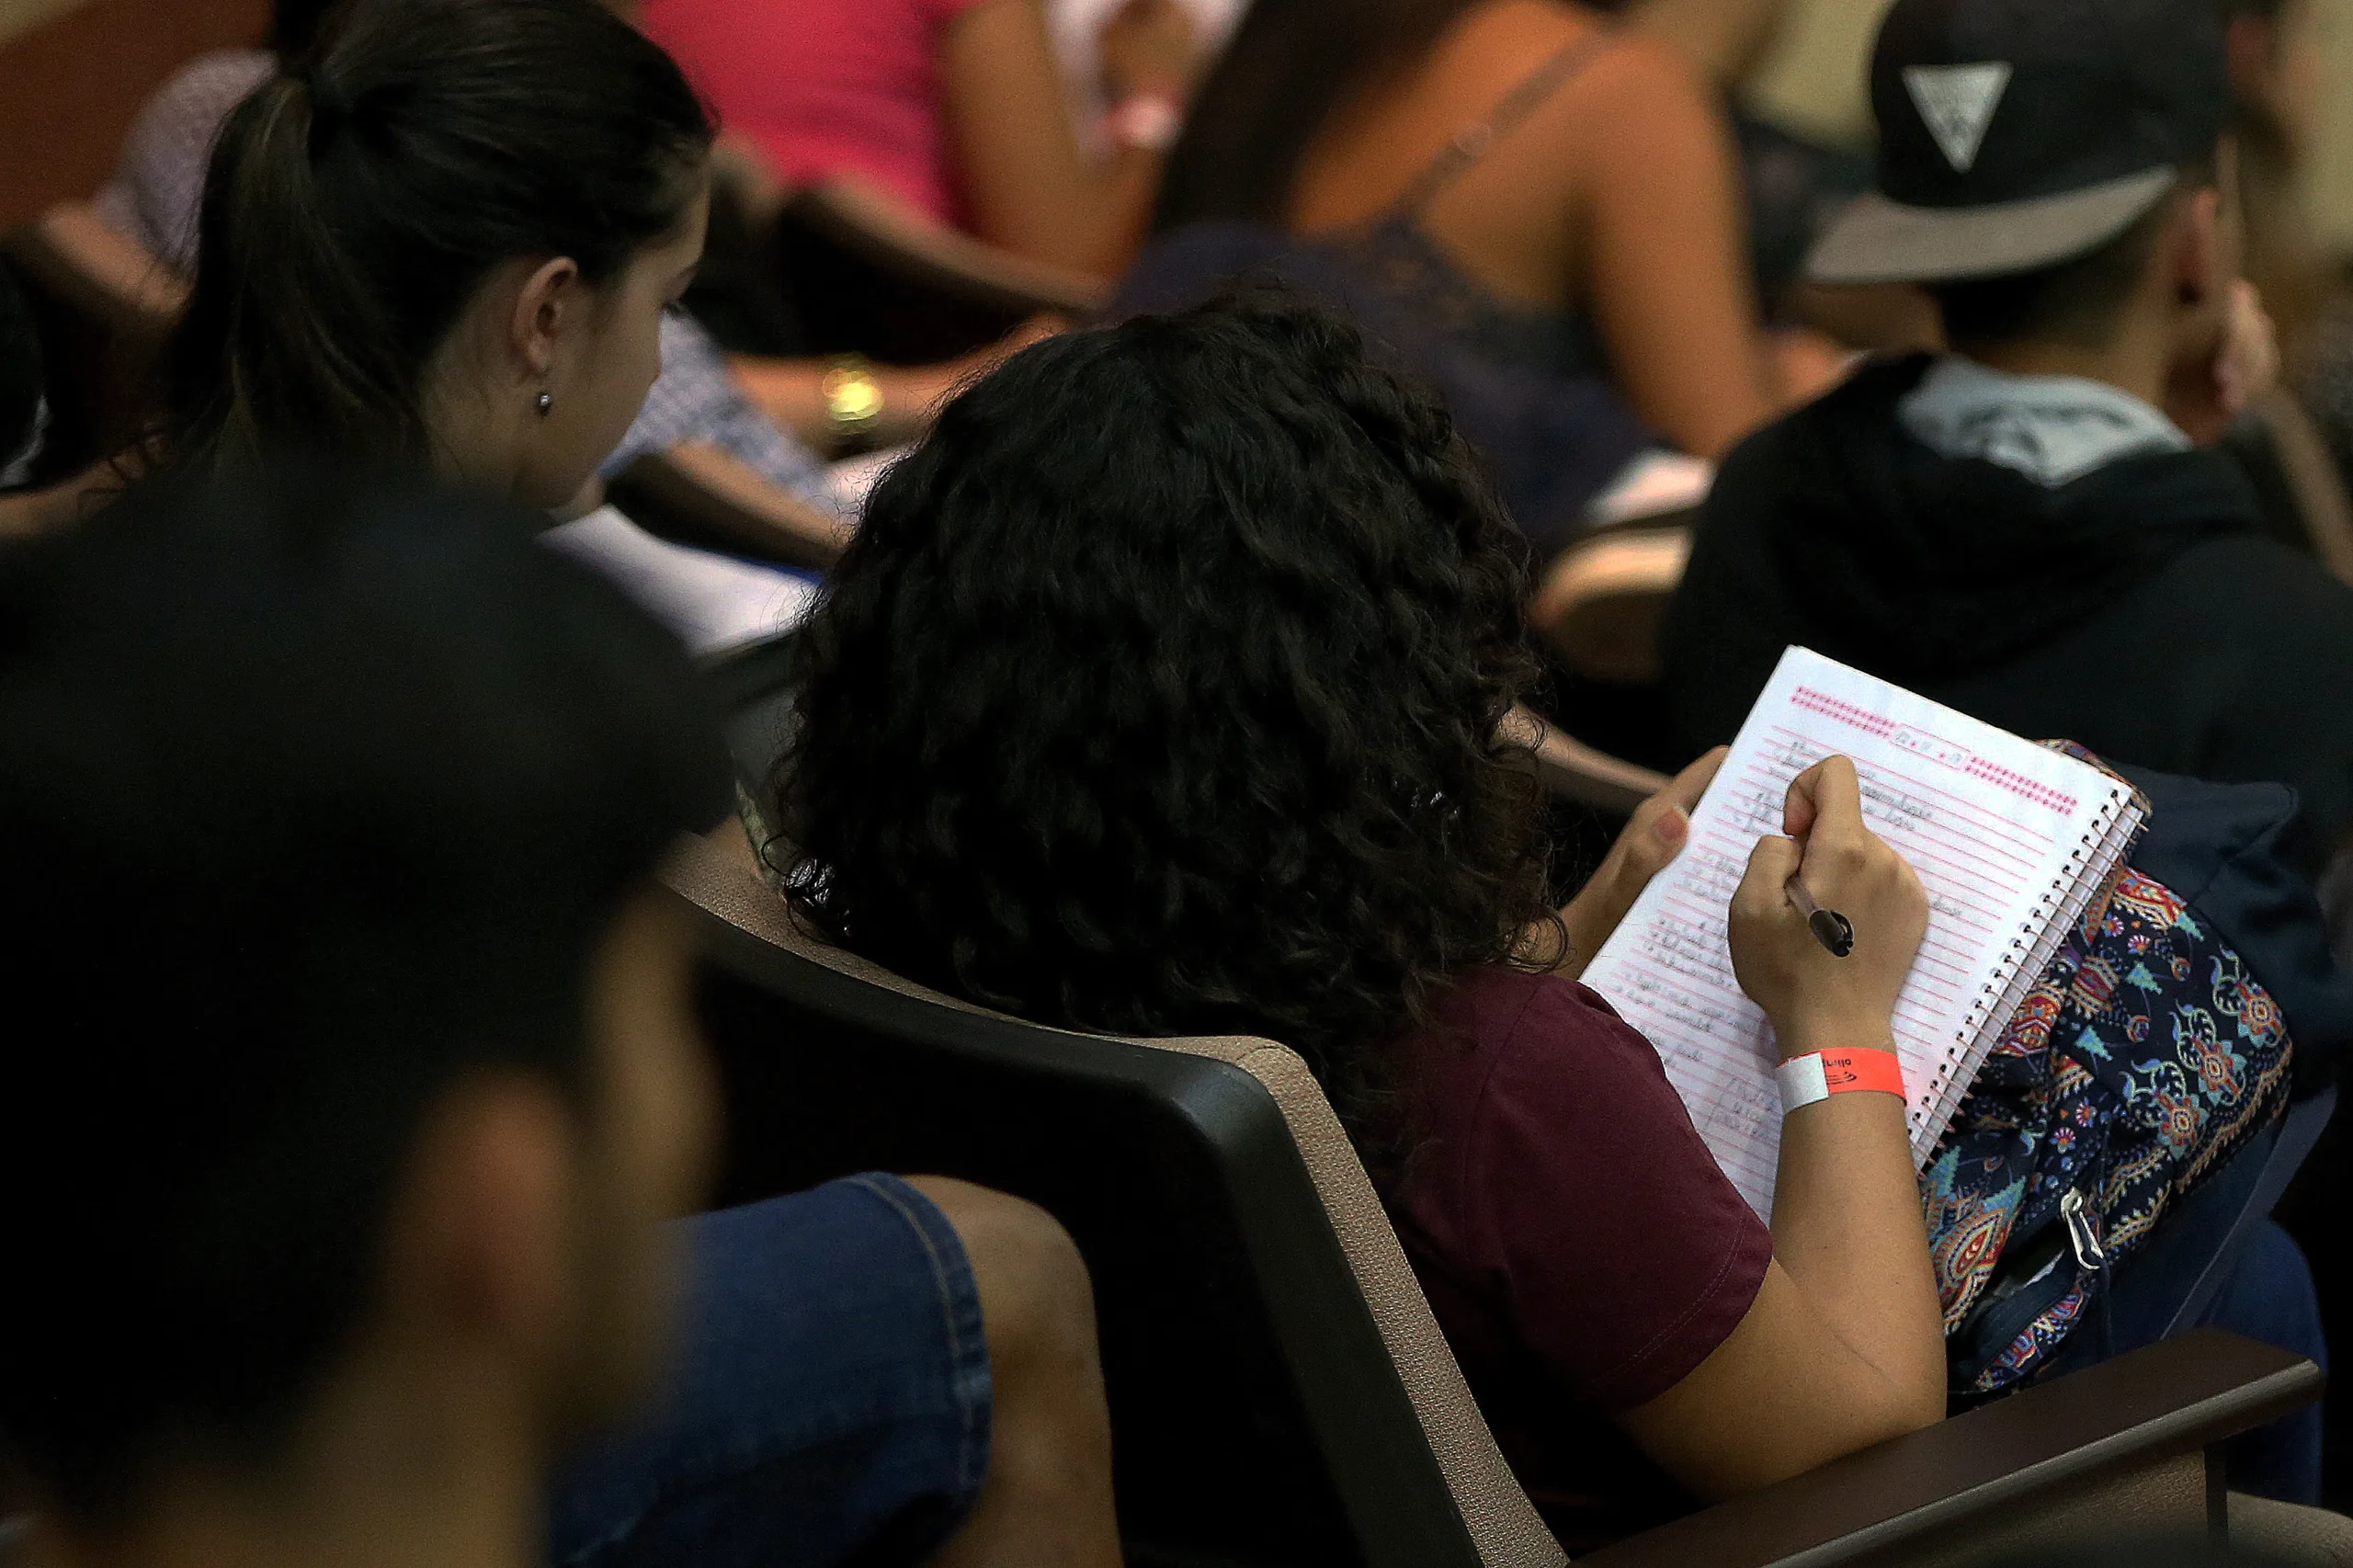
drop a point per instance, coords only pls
(1830, 884)
(1832, 929)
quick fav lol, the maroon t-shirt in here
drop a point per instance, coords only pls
(1577, 1242)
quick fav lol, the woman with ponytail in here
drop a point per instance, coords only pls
(142, 234)
(447, 239)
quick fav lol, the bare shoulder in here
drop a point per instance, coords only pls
(1641, 101)
(1633, 82)
(1640, 73)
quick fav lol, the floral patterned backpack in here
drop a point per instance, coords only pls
(2145, 1057)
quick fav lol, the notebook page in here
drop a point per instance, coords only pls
(1997, 828)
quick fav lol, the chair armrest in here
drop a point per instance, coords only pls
(902, 242)
(1575, 771)
(699, 495)
(1601, 601)
(2163, 1402)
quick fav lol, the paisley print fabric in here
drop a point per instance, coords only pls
(2142, 1060)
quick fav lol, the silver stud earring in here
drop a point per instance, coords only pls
(543, 402)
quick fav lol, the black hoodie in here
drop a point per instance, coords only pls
(2139, 610)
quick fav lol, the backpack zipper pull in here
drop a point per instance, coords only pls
(2082, 1234)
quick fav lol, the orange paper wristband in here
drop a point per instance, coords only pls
(1821, 1074)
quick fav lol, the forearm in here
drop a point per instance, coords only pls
(1030, 187)
(1847, 1228)
(716, 496)
(31, 511)
(792, 393)
(1093, 224)
(138, 289)
(1670, 285)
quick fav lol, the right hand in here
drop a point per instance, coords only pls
(1813, 999)
(1149, 46)
(2205, 397)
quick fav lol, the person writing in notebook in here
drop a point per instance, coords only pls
(1085, 737)
(2035, 528)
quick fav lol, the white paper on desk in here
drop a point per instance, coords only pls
(712, 601)
(2008, 837)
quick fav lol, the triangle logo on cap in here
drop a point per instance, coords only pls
(1958, 102)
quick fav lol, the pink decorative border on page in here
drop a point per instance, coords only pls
(2033, 790)
(1879, 726)
(1846, 712)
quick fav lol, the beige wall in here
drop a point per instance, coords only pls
(2328, 185)
(1811, 78)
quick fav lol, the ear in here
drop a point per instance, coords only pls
(480, 1248)
(548, 308)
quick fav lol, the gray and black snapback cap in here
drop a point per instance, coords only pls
(2017, 135)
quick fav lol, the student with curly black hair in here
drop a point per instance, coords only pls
(1170, 688)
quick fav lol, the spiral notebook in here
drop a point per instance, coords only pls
(2011, 840)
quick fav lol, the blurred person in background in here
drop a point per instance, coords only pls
(955, 107)
(2035, 528)
(144, 241)
(450, 239)
(1547, 187)
(2278, 80)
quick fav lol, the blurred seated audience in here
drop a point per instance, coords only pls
(147, 245)
(2032, 528)
(1535, 207)
(1078, 29)
(2275, 82)
(1160, 695)
(401, 257)
(2276, 77)
(1553, 190)
(954, 107)
(352, 1216)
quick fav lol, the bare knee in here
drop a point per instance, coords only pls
(1036, 1299)
(1049, 1493)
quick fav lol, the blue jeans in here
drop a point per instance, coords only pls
(830, 1397)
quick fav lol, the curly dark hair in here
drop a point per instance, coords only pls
(1159, 695)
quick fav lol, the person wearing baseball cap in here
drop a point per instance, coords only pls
(2033, 527)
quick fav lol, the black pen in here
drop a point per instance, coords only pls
(1832, 929)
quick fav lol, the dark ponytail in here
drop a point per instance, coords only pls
(355, 205)
(1293, 65)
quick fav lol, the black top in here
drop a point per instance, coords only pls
(2138, 610)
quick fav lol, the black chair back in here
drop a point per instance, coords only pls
(1259, 1417)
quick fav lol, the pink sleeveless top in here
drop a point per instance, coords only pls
(827, 86)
